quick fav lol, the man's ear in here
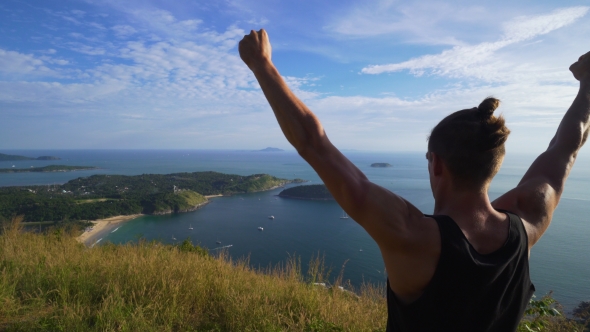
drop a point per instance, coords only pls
(437, 164)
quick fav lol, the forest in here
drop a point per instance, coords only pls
(103, 196)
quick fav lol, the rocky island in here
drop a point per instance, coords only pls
(9, 157)
(381, 165)
(313, 192)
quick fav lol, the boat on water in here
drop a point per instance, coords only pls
(344, 215)
(260, 228)
(173, 238)
(271, 217)
(190, 227)
(218, 242)
(228, 246)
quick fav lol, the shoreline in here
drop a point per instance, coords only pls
(102, 227)
(306, 198)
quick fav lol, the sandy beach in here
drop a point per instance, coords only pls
(102, 227)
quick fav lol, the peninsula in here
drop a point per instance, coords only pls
(313, 192)
(9, 157)
(49, 168)
(103, 196)
(381, 165)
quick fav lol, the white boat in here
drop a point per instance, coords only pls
(260, 228)
(344, 215)
(271, 217)
(173, 238)
(12, 165)
(190, 227)
(218, 242)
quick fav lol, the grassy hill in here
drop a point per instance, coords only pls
(53, 283)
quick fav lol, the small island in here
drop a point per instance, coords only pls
(49, 168)
(381, 165)
(270, 149)
(313, 192)
(10, 157)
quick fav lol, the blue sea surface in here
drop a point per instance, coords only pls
(301, 228)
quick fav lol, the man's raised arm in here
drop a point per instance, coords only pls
(537, 195)
(368, 204)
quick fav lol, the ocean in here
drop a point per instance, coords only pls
(560, 262)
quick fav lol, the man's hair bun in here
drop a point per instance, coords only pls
(487, 107)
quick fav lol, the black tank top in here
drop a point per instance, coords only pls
(469, 291)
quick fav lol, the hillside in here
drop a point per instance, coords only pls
(50, 282)
(314, 192)
(111, 195)
(53, 283)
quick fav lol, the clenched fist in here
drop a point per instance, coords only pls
(255, 49)
(581, 68)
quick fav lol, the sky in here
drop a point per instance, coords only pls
(91, 74)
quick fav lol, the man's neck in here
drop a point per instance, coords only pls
(467, 207)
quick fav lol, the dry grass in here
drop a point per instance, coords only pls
(53, 283)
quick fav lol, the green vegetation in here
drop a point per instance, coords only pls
(9, 157)
(49, 168)
(546, 315)
(50, 282)
(314, 191)
(112, 195)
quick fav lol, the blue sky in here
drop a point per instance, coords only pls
(379, 74)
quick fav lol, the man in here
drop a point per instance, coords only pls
(465, 268)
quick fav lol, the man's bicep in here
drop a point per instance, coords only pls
(534, 201)
(551, 167)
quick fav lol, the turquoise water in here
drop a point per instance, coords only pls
(559, 262)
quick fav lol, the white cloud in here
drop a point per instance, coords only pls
(419, 22)
(258, 22)
(87, 49)
(78, 13)
(123, 31)
(479, 61)
(12, 62)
